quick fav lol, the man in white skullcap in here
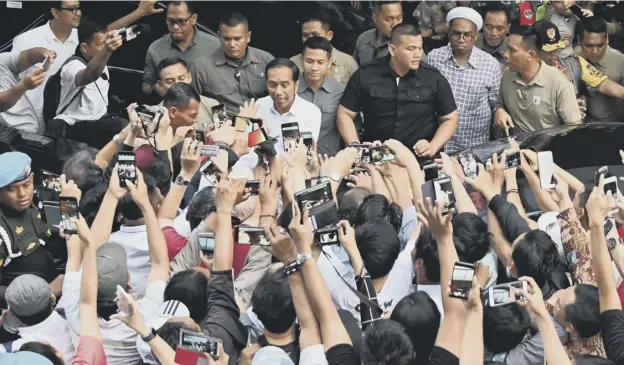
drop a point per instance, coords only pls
(474, 76)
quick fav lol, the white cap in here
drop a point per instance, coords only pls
(464, 12)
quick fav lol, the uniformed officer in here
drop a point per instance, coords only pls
(22, 232)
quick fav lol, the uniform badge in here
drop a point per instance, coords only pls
(49, 232)
(19, 230)
(537, 100)
(30, 246)
(27, 170)
(528, 14)
(551, 33)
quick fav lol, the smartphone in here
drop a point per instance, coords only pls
(123, 301)
(127, 34)
(219, 116)
(308, 142)
(69, 210)
(443, 191)
(577, 10)
(247, 235)
(469, 165)
(363, 156)
(502, 294)
(50, 181)
(601, 171)
(461, 281)
(210, 150)
(513, 160)
(431, 171)
(150, 118)
(511, 132)
(327, 236)
(381, 154)
(324, 215)
(127, 168)
(199, 342)
(45, 65)
(546, 168)
(206, 243)
(257, 137)
(611, 184)
(253, 186)
(200, 136)
(290, 136)
(52, 213)
(211, 172)
(314, 196)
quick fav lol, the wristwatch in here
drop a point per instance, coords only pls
(611, 243)
(152, 335)
(117, 140)
(180, 181)
(294, 266)
(336, 177)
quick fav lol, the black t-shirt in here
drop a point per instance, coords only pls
(441, 356)
(612, 330)
(343, 354)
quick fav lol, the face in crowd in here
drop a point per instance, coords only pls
(282, 87)
(180, 21)
(495, 28)
(407, 51)
(69, 14)
(18, 196)
(594, 46)
(314, 28)
(234, 40)
(172, 74)
(388, 17)
(463, 36)
(315, 64)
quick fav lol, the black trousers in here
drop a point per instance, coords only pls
(95, 133)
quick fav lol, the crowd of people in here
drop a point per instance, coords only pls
(206, 229)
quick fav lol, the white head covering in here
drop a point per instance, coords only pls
(465, 13)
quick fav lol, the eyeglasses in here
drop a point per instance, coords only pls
(458, 35)
(180, 22)
(73, 10)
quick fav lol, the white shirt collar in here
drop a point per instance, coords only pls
(51, 37)
(295, 108)
(133, 229)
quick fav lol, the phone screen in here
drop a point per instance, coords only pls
(327, 236)
(251, 236)
(219, 116)
(431, 172)
(577, 10)
(211, 172)
(461, 281)
(127, 168)
(314, 196)
(512, 161)
(610, 185)
(308, 142)
(200, 343)
(50, 181)
(253, 187)
(502, 294)
(69, 211)
(290, 136)
(206, 243)
(256, 137)
(380, 154)
(444, 192)
(469, 165)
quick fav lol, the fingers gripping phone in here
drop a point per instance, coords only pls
(123, 301)
(246, 235)
(314, 196)
(126, 168)
(206, 243)
(290, 136)
(469, 165)
(199, 344)
(381, 154)
(327, 236)
(69, 211)
(546, 168)
(503, 294)
(461, 281)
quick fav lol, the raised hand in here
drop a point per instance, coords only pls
(138, 190)
(229, 192)
(430, 215)
(284, 248)
(190, 159)
(533, 299)
(599, 205)
(301, 232)
(70, 189)
(34, 79)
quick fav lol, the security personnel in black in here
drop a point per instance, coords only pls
(401, 98)
(22, 232)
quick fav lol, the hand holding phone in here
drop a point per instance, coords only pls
(503, 294)
(126, 168)
(69, 212)
(123, 301)
(461, 281)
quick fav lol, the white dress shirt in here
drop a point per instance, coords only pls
(44, 37)
(92, 104)
(134, 241)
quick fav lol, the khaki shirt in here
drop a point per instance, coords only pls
(204, 116)
(600, 107)
(342, 66)
(566, 27)
(547, 101)
(220, 78)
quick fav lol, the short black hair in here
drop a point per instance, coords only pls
(504, 327)
(377, 5)
(592, 25)
(273, 303)
(189, 5)
(170, 332)
(471, 237)
(536, 255)
(203, 203)
(401, 30)
(43, 349)
(283, 62)
(584, 313)
(320, 17)
(88, 29)
(378, 206)
(379, 246)
(427, 250)
(496, 7)
(180, 95)
(318, 42)
(191, 288)
(170, 61)
(127, 206)
(81, 168)
(420, 318)
(233, 19)
(385, 342)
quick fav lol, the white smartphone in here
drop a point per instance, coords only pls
(123, 301)
(502, 294)
(546, 166)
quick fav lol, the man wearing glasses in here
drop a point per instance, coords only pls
(184, 41)
(60, 35)
(474, 76)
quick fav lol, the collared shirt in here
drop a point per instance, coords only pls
(22, 115)
(165, 46)
(367, 47)
(341, 69)
(405, 108)
(220, 78)
(601, 107)
(91, 104)
(580, 72)
(475, 88)
(327, 99)
(567, 29)
(499, 52)
(134, 240)
(204, 116)
(44, 37)
(546, 101)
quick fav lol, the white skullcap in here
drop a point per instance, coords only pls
(465, 13)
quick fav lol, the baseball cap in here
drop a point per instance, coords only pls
(28, 295)
(112, 265)
(25, 357)
(271, 355)
(169, 309)
(548, 36)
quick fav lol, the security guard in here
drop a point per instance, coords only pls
(22, 232)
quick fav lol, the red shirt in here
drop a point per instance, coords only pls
(90, 352)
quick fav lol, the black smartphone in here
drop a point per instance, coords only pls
(206, 243)
(443, 191)
(461, 281)
(69, 210)
(363, 156)
(601, 171)
(219, 116)
(52, 213)
(127, 168)
(431, 171)
(577, 10)
(211, 172)
(50, 181)
(201, 343)
(327, 236)
(248, 235)
(253, 186)
(200, 136)
(513, 160)
(314, 196)
(324, 215)
(150, 118)
(469, 165)
(381, 154)
(308, 142)
(290, 136)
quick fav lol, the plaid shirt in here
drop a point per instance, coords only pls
(475, 88)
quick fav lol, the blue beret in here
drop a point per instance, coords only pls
(15, 167)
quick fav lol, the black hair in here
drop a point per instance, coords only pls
(385, 342)
(420, 318)
(43, 349)
(378, 206)
(88, 29)
(283, 62)
(349, 203)
(191, 288)
(56, 4)
(170, 332)
(189, 5)
(273, 303)
(536, 255)
(82, 169)
(587, 359)
(233, 19)
(377, 5)
(401, 30)
(592, 25)
(318, 42)
(427, 251)
(170, 61)
(128, 208)
(203, 203)
(518, 29)
(504, 327)
(179, 95)
(471, 237)
(584, 313)
(379, 246)
(320, 17)
(38, 317)
(496, 7)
